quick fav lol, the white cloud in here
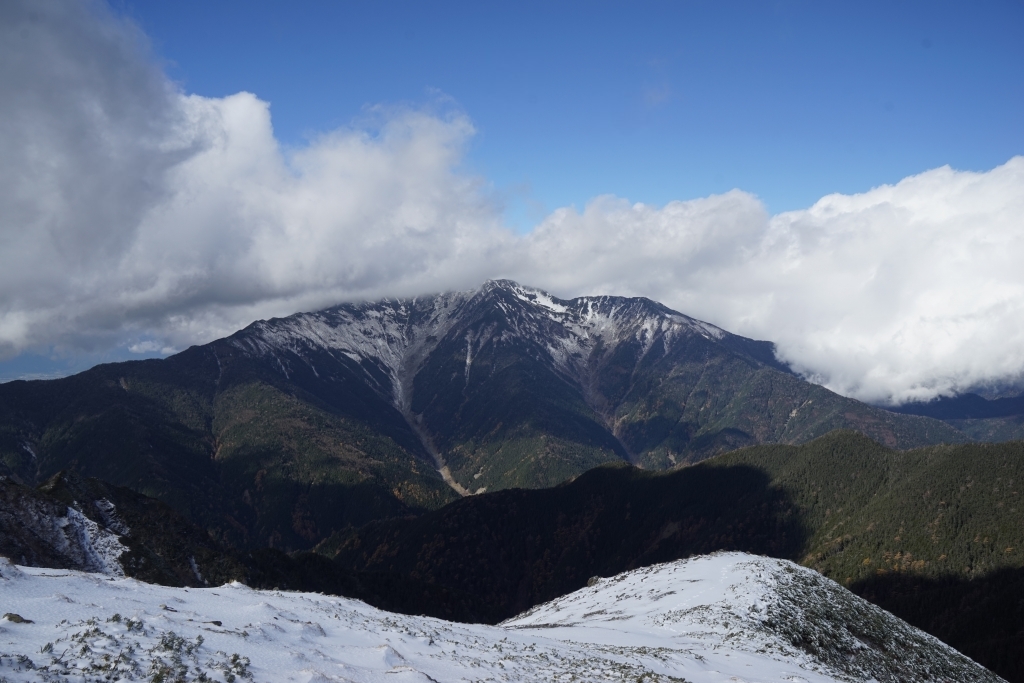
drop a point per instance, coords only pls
(130, 211)
(903, 292)
(150, 346)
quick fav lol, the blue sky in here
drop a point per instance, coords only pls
(675, 150)
(652, 101)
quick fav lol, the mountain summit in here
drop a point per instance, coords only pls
(293, 428)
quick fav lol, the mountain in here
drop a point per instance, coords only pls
(723, 617)
(508, 386)
(980, 418)
(932, 534)
(294, 428)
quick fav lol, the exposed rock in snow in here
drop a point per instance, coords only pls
(108, 513)
(725, 617)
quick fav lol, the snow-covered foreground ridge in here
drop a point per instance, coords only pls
(722, 617)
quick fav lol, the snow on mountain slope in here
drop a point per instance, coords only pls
(725, 617)
(385, 338)
(588, 321)
(391, 345)
(391, 338)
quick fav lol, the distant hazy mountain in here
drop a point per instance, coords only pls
(980, 418)
(294, 428)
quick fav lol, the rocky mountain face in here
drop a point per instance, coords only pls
(294, 428)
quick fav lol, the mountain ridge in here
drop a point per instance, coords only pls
(391, 338)
(980, 418)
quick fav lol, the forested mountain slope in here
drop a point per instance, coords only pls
(933, 534)
(226, 441)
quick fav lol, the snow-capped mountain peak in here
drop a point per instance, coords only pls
(390, 339)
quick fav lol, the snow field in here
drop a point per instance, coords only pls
(701, 620)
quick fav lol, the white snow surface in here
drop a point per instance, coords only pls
(697, 620)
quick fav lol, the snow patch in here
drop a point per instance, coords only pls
(101, 549)
(27, 447)
(195, 569)
(537, 297)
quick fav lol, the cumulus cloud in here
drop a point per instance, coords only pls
(901, 293)
(129, 208)
(133, 214)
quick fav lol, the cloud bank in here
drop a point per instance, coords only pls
(901, 293)
(133, 214)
